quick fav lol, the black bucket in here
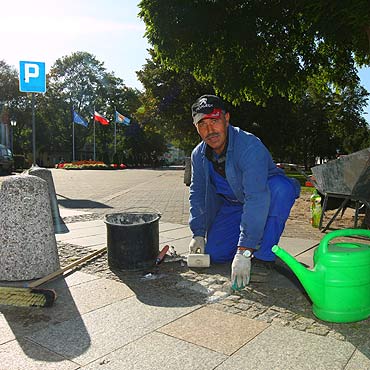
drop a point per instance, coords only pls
(132, 239)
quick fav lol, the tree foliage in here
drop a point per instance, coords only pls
(9, 90)
(167, 100)
(252, 50)
(289, 69)
(320, 122)
(80, 82)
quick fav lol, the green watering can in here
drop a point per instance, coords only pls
(339, 282)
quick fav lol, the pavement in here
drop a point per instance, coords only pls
(174, 317)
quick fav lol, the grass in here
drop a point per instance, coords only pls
(302, 180)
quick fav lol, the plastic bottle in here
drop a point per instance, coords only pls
(316, 209)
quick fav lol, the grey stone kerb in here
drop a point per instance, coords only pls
(28, 248)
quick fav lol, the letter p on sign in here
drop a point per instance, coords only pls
(32, 77)
(31, 70)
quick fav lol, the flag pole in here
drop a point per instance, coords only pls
(115, 131)
(73, 141)
(115, 137)
(94, 133)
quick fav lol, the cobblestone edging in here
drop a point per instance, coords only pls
(83, 218)
(283, 306)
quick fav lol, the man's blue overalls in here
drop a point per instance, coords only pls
(223, 236)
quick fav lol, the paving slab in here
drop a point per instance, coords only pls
(177, 233)
(100, 230)
(24, 355)
(5, 330)
(359, 361)
(181, 245)
(158, 351)
(296, 246)
(302, 249)
(98, 333)
(167, 226)
(282, 348)
(220, 331)
(93, 294)
(85, 225)
(88, 241)
(70, 279)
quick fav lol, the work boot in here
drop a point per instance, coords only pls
(267, 265)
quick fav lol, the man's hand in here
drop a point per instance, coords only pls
(197, 245)
(240, 271)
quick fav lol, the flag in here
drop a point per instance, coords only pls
(120, 118)
(98, 117)
(79, 120)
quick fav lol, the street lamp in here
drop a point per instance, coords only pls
(13, 123)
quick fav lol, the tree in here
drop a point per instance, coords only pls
(317, 124)
(346, 119)
(255, 50)
(15, 105)
(167, 100)
(9, 90)
(80, 82)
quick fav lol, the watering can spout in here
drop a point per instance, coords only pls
(308, 278)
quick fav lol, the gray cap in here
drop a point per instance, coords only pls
(207, 106)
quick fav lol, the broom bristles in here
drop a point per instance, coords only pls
(27, 297)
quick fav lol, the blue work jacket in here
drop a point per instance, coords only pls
(248, 166)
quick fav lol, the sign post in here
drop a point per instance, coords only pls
(32, 78)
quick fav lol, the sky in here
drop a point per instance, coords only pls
(46, 30)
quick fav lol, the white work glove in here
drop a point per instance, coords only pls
(197, 245)
(240, 271)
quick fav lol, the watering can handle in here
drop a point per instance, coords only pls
(338, 233)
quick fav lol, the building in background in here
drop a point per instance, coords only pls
(173, 156)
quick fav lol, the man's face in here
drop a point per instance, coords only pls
(213, 131)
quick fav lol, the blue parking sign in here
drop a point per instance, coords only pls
(32, 77)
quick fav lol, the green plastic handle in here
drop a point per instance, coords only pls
(339, 233)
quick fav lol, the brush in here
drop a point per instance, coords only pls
(31, 296)
(27, 297)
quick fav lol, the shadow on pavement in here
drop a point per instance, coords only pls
(159, 287)
(49, 327)
(81, 203)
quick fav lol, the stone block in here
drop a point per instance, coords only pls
(45, 174)
(28, 248)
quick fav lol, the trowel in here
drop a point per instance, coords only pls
(198, 260)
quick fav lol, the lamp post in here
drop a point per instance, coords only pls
(13, 123)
